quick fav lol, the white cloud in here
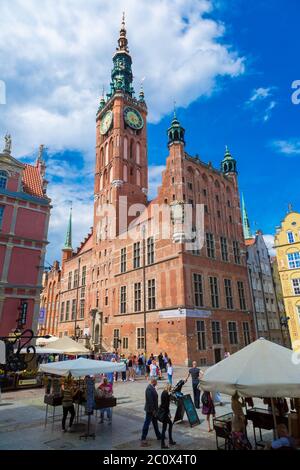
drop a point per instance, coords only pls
(269, 241)
(55, 59)
(260, 94)
(287, 147)
(263, 103)
(155, 179)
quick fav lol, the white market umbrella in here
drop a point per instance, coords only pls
(67, 345)
(82, 367)
(261, 369)
(42, 341)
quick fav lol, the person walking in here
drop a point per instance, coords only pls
(166, 359)
(107, 389)
(154, 370)
(195, 374)
(148, 364)
(170, 372)
(208, 408)
(151, 409)
(161, 361)
(130, 368)
(67, 403)
(164, 416)
(124, 372)
(141, 363)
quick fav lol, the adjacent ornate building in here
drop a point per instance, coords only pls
(140, 281)
(287, 244)
(265, 302)
(24, 218)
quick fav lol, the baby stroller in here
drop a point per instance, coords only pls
(176, 391)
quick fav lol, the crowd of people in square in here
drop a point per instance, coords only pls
(152, 368)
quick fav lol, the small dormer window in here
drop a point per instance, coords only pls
(3, 179)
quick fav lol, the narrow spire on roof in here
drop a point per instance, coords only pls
(68, 242)
(246, 223)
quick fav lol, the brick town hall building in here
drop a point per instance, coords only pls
(138, 290)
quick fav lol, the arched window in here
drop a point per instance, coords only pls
(111, 174)
(3, 179)
(101, 158)
(176, 135)
(138, 153)
(125, 148)
(101, 182)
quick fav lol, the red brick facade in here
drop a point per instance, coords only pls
(24, 219)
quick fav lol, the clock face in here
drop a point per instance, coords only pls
(133, 118)
(106, 122)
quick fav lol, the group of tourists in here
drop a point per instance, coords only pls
(137, 365)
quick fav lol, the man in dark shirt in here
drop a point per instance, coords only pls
(195, 374)
(151, 408)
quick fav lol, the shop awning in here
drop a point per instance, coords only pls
(82, 367)
(261, 369)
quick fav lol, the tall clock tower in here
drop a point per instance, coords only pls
(121, 175)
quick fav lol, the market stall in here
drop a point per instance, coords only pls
(82, 372)
(29, 377)
(261, 369)
(68, 346)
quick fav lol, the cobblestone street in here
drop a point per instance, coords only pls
(22, 422)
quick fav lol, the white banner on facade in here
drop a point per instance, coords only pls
(185, 313)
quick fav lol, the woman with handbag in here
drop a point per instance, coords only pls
(164, 416)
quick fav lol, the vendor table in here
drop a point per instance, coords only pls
(222, 426)
(56, 401)
(53, 402)
(263, 419)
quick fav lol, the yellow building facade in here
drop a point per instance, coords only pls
(287, 245)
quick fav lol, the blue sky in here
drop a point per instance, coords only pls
(228, 64)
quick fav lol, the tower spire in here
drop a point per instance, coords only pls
(123, 41)
(68, 242)
(121, 75)
(246, 223)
